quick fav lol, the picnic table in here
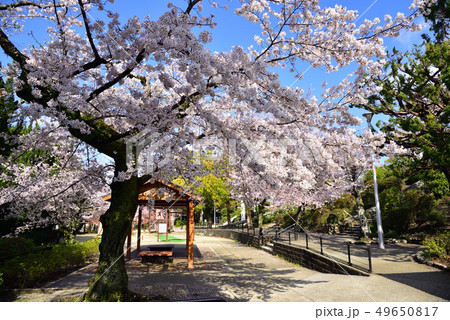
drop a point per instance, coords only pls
(157, 253)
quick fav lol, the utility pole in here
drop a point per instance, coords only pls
(368, 117)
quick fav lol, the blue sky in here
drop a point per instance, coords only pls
(233, 30)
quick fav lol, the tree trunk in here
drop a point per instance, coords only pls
(260, 216)
(110, 282)
(249, 217)
(228, 213)
(260, 208)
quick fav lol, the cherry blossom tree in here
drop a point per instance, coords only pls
(122, 87)
(45, 182)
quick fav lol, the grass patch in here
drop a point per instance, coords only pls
(162, 237)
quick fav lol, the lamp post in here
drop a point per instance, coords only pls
(214, 214)
(368, 117)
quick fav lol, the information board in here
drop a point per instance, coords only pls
(162, 228)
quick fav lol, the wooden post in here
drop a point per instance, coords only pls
(139, 229)
(169, 220)
(167, 225)
(150, 221)
(190, 240)
(187, 230)
(128, 254)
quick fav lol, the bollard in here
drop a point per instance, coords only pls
(348, 251)
(307, 247)
(289, 233)
(321, 246)
(370, 260)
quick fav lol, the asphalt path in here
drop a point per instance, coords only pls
(229, 271)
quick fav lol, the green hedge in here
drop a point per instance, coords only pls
(438, 246)
(16, 246)
(35, 268)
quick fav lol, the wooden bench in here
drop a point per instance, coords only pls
(157, 253)
(161, 247)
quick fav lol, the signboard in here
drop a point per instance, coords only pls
(162, 228)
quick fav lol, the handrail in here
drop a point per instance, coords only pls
(287, 229)
(270, 229)
(346, 246)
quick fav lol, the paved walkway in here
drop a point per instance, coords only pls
(225, 269)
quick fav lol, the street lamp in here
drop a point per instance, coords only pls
(368, 117)
(214, 214)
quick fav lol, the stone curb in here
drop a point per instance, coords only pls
(421, 259)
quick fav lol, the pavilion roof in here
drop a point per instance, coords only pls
(151, 189)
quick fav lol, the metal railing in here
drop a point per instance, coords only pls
(357, 256)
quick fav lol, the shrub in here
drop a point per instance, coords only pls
(345, 201)
(37, 267)
(332, 219)
(391, 234)
(180, 223)
(268, 218)
(11, 247)
(340, 214)
(438, 246)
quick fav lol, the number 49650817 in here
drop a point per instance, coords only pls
(407, 311)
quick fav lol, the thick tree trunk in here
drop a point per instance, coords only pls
(228, 214)
(260, 216)
(110, 282)
(249, 217)
(260, 208)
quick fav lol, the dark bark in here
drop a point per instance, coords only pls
(300, 209)
(260, 216)
(110, 282)
(260, 209)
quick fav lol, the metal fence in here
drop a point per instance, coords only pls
(343, 251)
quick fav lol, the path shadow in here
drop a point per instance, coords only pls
(434, 283)
(239, 285)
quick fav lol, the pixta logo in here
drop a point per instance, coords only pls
(148, 151)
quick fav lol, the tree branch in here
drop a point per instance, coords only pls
(121, 76)
(191, 6)
(24, 4)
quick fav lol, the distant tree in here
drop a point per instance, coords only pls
(434, 180)
(9, 126)
(415, 95)
(437, 14)
(40, 178)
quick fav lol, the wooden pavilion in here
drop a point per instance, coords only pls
(159, 194)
